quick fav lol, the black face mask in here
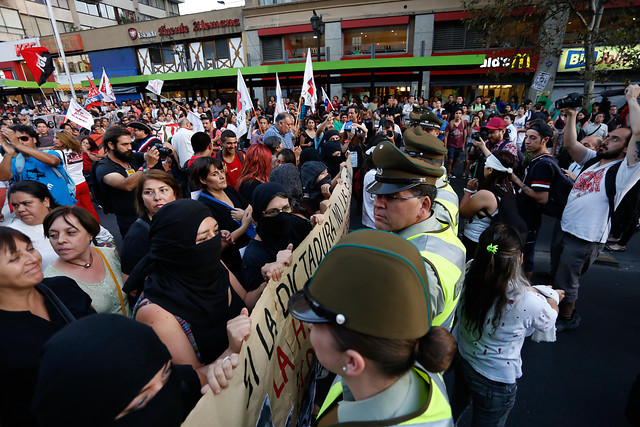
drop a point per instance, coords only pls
(316, 192)
(164, 410)
(278, 231)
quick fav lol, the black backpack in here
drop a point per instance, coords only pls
(98, 191)
(508, 213)
(184, 181)
(559, 190)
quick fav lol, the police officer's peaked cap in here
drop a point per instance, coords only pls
(418, 142)
(430, 119)
(397, 171)
(372, 282)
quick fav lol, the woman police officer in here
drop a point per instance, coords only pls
(370, 323)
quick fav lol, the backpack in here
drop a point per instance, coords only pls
(96, 188)
(508, 213)
(559, 190)
(238, 152)
(184, 180)
(59, 170)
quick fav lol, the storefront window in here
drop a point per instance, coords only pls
(296, 45)
(389, 39)
(76, 63)
(162, 55)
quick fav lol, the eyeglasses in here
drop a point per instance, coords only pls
(24, 138)
(393, 197)
(276, 211)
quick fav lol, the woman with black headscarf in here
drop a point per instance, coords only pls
(331, 152)
(187, 296)
(277, 229)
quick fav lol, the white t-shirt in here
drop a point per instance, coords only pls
(367, 200)
(600, 130)
(519, 123)
(496, 355)
(589, 195)
(73, 165)
(181, 141)
(513, 135)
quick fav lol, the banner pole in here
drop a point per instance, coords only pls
(60, 49)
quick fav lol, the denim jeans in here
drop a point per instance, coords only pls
(492, 401)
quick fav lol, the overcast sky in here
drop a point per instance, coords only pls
(194, 6)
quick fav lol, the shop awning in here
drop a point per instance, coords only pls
(21, 84)
(324, 67)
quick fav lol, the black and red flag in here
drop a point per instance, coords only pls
(39, 61)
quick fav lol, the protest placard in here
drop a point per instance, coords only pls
(273, 382)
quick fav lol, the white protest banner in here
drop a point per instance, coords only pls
(195, 122)
(274, 375)
(79, 115)
(155, 86)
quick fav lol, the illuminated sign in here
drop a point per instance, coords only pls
(606, 58)
(520, 61)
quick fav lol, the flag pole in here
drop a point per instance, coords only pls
(253, 113)
(299, 110)
(60, 49)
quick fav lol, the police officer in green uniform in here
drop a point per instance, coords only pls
(368, 310)
(404, 204)
(422, 145)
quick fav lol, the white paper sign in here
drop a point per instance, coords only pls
(79, 115)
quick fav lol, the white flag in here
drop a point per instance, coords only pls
(77, 114)
(244, 105)
(195, 122)
(155, 86)
(105, 88)
(279, 101)
(309, 85)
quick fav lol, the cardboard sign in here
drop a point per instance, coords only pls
(274, 379)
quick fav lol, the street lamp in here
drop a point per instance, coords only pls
(318, 29)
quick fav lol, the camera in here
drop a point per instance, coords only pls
(573, 100)
(481, 134)
(389, 133)
(164, 152)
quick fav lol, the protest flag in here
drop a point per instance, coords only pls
(105, 88)
(94, 98)
(79, 115)
(327, 102)
(279, 100)
(244, 105)
(309, 85)
(155, 86)
(40, 63)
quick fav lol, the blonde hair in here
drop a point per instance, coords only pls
(69, 142)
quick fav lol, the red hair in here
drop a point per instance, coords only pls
(257, 164)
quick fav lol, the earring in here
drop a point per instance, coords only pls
(344, 369)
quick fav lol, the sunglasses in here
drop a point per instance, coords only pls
(24, 138)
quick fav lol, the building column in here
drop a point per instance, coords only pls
(423, 46)
(333, 41)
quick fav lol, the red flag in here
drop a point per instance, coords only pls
(39, 61)
(94, 99)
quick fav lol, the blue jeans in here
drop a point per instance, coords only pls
(492, 401)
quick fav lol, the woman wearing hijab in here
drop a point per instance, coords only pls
(31, 311)
(187, 296)
(136, 385)
(278, 229)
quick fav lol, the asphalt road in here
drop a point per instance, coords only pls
(582, 379)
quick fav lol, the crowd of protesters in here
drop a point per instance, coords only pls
(208, 217)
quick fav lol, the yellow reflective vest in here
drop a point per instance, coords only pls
(437, 413)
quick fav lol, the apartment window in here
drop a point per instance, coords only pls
(389, 39)
(10, 22)
(173, 8)
(297, 45)
(455, 36)
(76, 63)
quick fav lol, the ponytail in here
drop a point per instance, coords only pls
(435, 350)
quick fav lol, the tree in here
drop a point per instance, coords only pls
(541, 25)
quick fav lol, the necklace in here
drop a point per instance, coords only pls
(87, 265)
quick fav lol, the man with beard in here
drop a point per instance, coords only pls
(119, 172)
(586, 217)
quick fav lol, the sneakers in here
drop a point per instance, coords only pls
(567, 324)
(614, 247)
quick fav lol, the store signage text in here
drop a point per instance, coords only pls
(169, 31)
(203, 25)
(135, 34)
(519, 61)
(606, 58)
(20, 46)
